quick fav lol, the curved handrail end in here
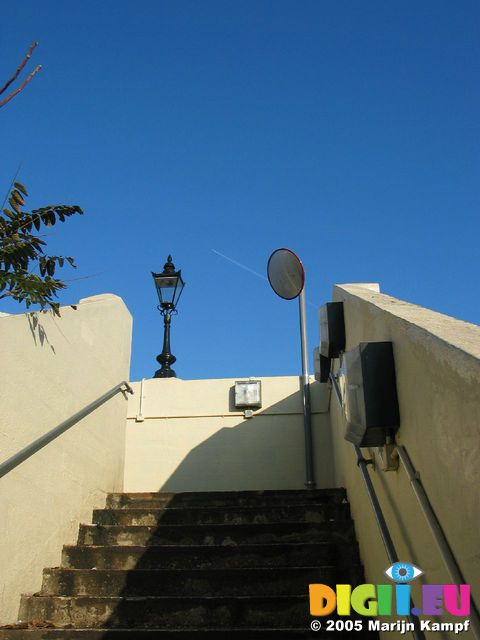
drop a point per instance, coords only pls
(128, 388)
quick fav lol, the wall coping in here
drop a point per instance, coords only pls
(456, 334)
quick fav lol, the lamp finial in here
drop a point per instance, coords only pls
(169, 267)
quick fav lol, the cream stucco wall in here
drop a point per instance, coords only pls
(193, 439)
(52, 367)
(437, 361)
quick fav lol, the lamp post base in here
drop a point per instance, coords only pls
(165, 373)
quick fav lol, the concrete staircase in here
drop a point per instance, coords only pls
(233, 565)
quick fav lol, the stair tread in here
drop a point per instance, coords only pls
(219, 525)
(198, 570)
(183, 598)
(327, 526)
(229, 507)
(148, 515)
(214, 533)
(245, 492)
(163, 629)
(205, 633)
(121, 547)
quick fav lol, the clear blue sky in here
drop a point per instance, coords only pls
(345, 130)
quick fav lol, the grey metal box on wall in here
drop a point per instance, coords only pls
(371, 403)
(332, 329)
(322, 366)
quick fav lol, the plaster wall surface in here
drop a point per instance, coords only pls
(437, 362)
(53, 367)
(192, 438)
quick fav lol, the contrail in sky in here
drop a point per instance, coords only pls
(255, 273)
(239, 264)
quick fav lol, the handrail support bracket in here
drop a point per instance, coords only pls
(366, 461)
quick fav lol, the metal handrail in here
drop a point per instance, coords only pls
(382, 524)
(438, 535)
(336, 388)
(384, 532)
(379, 517)
(39, 443)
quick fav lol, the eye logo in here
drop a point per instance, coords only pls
(403, 572)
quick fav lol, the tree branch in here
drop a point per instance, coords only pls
(20, 67)
(22, 86)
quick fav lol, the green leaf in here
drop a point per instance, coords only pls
(50, 267)
(17, 197)
(20, 187)
(14, 205)
(55, 308)
(10, 214)
(44, 215)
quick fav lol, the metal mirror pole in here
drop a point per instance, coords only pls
(307, 413)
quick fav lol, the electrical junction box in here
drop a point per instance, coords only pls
(371, 403)
(322, 366)
(248, 394)
(332, 329)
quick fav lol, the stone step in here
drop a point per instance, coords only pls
(170, 612)
(181, 634)
(224, 498)
(227, 515)
(205, 557)
(194, 582)
(220, 534)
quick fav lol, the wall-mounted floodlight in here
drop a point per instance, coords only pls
(371, 403)
(287, 278)
(248, 394)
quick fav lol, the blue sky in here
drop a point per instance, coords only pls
(345, 130)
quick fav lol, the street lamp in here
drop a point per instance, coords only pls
(169, 285)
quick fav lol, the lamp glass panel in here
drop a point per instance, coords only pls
(166, 286)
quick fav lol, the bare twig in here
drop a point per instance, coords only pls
(11, 184)
(22, 86)
(20, 67)
(92, 275)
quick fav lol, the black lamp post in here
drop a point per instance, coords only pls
(169, 286)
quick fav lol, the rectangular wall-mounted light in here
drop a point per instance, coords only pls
(248, 394)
